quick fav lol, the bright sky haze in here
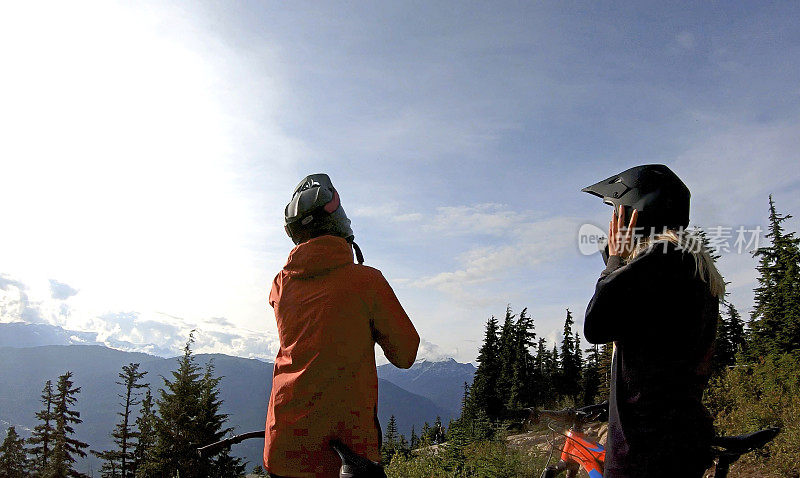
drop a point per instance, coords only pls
(148, 150)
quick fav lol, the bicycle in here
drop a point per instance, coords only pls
(353, 465)
(582, 453)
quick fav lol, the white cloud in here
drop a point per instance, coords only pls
(149, 332)
(519, 242)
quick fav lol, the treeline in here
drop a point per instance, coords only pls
(153, 438)
(515, 370)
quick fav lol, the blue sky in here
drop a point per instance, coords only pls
(151, 148)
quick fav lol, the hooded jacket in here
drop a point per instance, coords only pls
(330, 313)
(662, 319)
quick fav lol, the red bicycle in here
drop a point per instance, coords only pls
(582, 453)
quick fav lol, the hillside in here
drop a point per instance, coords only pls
(244, 389)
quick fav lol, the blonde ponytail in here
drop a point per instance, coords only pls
(691, 242)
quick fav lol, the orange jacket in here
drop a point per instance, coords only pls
(330, 314)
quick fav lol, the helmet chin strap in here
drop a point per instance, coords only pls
(359, 255)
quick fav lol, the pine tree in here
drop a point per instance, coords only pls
(604, 366)
(522, 383)
(145, 427)
(425, 436)
(507, 354)
(543, 394)
(390, 441)
(13, 458)
(736, 331)
(775, 320)
(414, 438)
(211, 426)
(592, 376)
(483, 393)
(42, 436)
(189, 417)
(554, 366)
(578, 366)
(724, 352)
(125, 436)
(457, 439)
(569, 377)
(65, 448)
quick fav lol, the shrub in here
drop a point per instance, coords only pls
(755, 396)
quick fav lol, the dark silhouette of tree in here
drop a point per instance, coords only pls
(592, 376)
(145, 427)
(42, 436)
(189, 417)
(775, 320)
(738, 338)
(604, 366)
(391, 441)
(484, 394)
(523, 377)
(13, 456)
(568, 382)
(65, 447)
(125, 436)
(507, 355)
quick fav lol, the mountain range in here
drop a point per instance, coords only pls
(413, 396)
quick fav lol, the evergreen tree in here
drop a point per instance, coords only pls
(507, 354)
(390, 441)
(13, 458)
(211, 426)
(65, 448)
(569, 376)
(604, 367)
(592, 376)
(457, 439)
(189, 417)
(736, 331)
(578, 365)
(522, 383)
(121, 461)
(484, 393)
(425, 436)
(414, 438)
(775, 320)
(724, 353)
(42, 436)
(145, 428)
(554, 365)
(542, 395)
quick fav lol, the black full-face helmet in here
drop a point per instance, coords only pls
(659, 196)
(316, 210)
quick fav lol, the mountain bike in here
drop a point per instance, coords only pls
(353, 465)
(582, 453)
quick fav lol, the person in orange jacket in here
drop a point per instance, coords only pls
(330, 313)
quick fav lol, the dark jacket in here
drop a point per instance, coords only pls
(662, 319)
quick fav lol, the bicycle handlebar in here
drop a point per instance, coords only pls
(353, 465)
(596, 412)
(214, 448)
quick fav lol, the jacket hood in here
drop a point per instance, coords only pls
(318, 256)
